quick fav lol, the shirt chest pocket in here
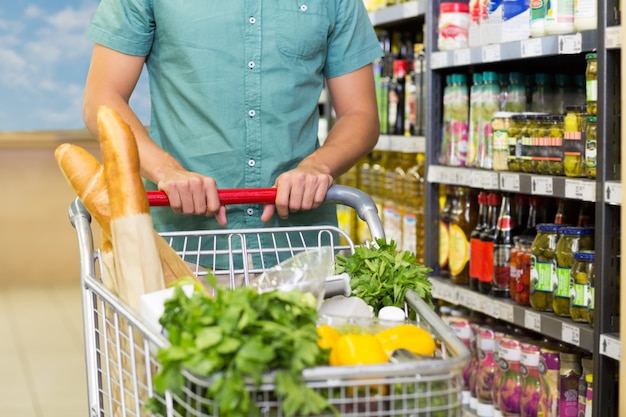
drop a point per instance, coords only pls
(302, 27)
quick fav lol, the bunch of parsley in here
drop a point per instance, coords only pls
(380, 274)
(235, 338)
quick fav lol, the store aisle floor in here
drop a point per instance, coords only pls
(42, 369)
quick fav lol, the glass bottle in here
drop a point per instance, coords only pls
(462, 222)
(591, 76)
(503, 243)
(490, 106)
(476, 103)
(459, 120)
(549, 366)
(397, 95)
(543, 266)
(513, 270)
(591, 145)
(444, 231)
(543, 93)
(446, 126)
(413, 210)
(365, 185)
(485, 372)
(487, 238)
(573, 143)
(475, 263)
(587, 369)
(516, 99)
(522, 293)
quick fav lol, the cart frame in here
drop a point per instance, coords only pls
(120, 348)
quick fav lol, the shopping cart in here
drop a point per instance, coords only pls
(121, 349)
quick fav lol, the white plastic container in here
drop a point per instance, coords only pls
(585, 15)
(538, 11)
(559, 17)
(453, 26)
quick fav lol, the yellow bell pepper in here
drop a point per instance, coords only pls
(328, 336)
(357, 349)
(407, 336)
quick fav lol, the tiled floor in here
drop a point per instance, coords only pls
(42, 369)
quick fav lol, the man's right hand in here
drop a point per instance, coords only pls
(193, 193)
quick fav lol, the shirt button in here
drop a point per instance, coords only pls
(252, 20)
(252, 162)
(251, 64)
(250, 212)
(303, 7)
(251, 113)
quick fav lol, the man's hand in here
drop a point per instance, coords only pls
(302, 188)
(192, 193)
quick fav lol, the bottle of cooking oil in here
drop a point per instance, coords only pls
(389, 194)
(413, 209)
(380, 162)
(395, 196)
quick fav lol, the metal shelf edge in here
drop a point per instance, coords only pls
(402, 11)
(548, 324)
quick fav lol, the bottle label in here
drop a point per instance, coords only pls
(409, 232)
(444, 245)
(591, 153)
(487, 269)
(541, 275)
(592, 90)
(475, 258)
(392, 223)
(562, 282)
(500, 140)
(459, 250)
(580, 295)
(501, 266)
(505, 223)
(591, 300)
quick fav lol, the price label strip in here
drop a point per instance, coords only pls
(542, 185)
(506, 312)
(580, 190)
(488, 180)
(491, 53)
(531, 48)
(439, 60)
(570, 44)
(532, 321)
(462, 57)
(509, 182)
(570, 334)
(613, 37)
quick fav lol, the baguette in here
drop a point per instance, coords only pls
(85, 175)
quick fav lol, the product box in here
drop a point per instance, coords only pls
(508, 20)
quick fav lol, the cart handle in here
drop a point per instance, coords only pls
(337, 194)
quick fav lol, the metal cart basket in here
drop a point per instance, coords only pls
(121, 349)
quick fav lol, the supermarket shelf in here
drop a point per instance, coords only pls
(517, 182)
(399, 12)
(560, 328)
(397, 143)
(613, 193)
(613, 37)
(610, 346)
(568, 44)
(468, 412)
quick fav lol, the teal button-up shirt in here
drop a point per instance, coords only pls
(235, 84)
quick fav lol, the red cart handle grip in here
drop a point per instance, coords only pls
(227, 196)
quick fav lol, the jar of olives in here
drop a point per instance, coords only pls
(590, 147)
(529, 128)
(591, 76)
(555, 163)
(543, 266)
(583, 269)
(573, 143)
(501, 124)
(518, 121)
(540, 151)
(570, 241)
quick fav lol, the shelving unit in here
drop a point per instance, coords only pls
(603, 339)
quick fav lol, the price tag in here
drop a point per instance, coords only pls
(461, 298)
(613, 37)
(471, 301)
(507, 312)
(509, 182)
(488, 307)
(437, 291)
(532, 320)
(571, 44)
(439, 60)
(488, 180)
(435, 174)
(531, 48)
(580, 190)
(570, 334)
(462, 57)
(611, 347)
(491, 53)
(613, 193)
(542, 185)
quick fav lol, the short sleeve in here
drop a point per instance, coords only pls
(353, 42)
(126, 26)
